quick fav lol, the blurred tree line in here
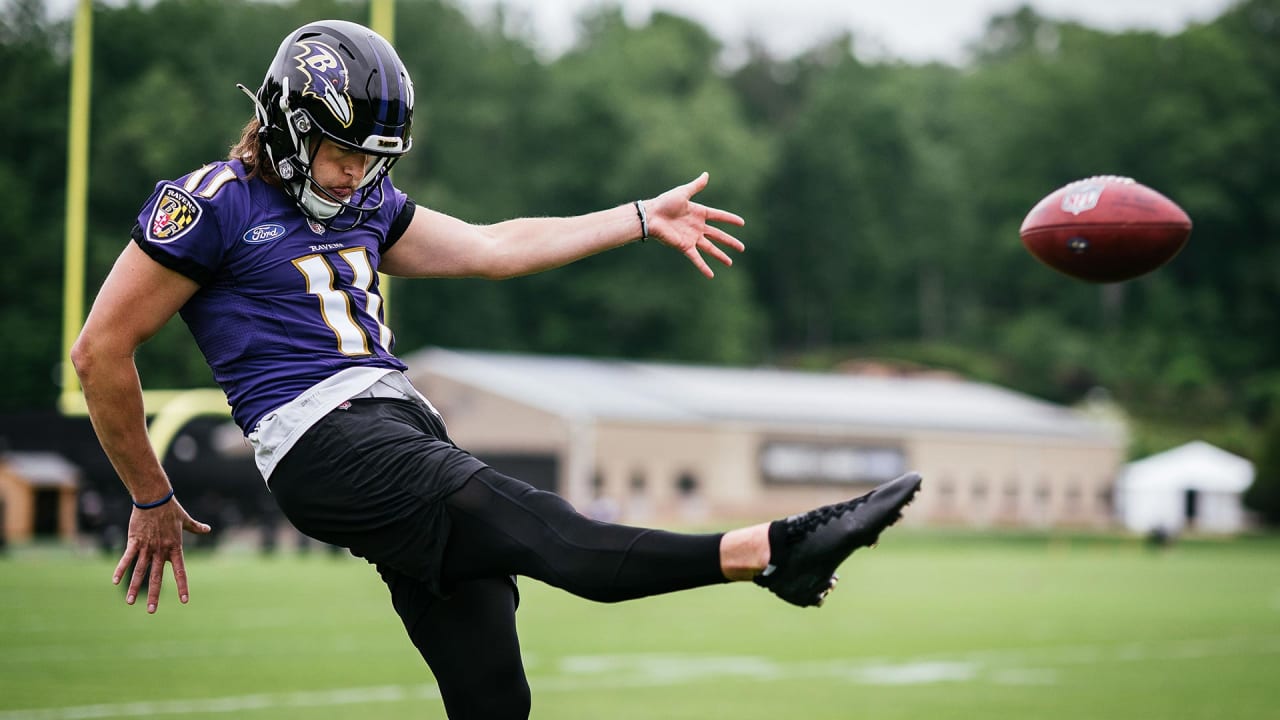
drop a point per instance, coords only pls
(883, 198)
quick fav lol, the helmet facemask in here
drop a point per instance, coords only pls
(322, 205)
(295, 171)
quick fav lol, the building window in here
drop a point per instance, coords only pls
(946, 492)
(819, 463)
(687, 485)
(602, 507)
(1072, 498)
(1105, 497)
(638, 502)
(979, 490)
(1044, 491)
(1011, 496)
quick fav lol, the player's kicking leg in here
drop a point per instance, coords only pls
(501, 526)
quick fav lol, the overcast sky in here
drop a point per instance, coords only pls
(914, 30)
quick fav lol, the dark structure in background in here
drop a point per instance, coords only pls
(40, 492)
(209, 464)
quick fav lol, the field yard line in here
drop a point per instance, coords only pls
(658, 670)
(34, 624)
(51, 653)
(1188, 649)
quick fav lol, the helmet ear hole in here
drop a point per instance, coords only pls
(301, 120)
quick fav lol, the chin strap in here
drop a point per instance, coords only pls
(317, 205)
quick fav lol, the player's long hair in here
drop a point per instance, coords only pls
(251, 151)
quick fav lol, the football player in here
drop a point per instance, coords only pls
(272, 257)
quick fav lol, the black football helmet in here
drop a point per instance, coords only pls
(342, 81)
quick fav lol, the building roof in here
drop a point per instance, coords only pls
(587, 389)
(1194, 466)
(42, 469)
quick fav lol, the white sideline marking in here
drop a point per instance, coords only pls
(231, 704)
(1004, 667)
(24, 655)
(1024, 676)
(919, 673)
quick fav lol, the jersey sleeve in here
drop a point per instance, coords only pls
(400, 213)
(399, 225)
(181, 227)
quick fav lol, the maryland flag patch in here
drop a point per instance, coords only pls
(175, 213)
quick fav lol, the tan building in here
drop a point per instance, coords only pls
(651, 442)
(37, 496)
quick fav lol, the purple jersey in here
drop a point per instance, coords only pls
(283, 303)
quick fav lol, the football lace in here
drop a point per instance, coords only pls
(1107, 179)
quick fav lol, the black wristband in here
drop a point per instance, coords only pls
(156, 504)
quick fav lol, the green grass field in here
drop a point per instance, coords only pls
(926, 626)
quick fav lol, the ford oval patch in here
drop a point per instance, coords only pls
(264, 233)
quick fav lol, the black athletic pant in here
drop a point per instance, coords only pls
(446, 533)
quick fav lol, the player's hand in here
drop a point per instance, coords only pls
(155, 538)
(676, 220)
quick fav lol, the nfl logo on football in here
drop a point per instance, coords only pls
(1082, 199)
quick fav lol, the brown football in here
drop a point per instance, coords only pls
(1105, 229)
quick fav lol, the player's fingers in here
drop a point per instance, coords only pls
(724, 216)
(130, 552)
(192, 525)
(140, 567)
(710, 248)
(698, 262)
(180, 575)
(153, 589)
(724, 238)
(695, 186)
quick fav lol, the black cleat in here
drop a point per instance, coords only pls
(807, 548)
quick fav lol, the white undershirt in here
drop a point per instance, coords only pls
(276, 433)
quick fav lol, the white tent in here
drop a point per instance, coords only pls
(1192, 487)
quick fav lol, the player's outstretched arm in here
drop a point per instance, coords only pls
(137, 298)
(437, 245)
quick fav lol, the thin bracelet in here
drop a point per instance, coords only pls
(156, 504)
(644, 220)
